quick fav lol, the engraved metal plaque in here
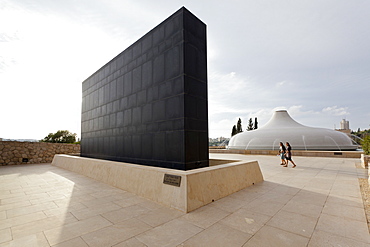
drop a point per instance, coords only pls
(173, 180)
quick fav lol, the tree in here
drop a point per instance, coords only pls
(366, 144)
(250, 125)
(255, 123)
(61, 136)
(361, 133)
(239, 126)
(234, 131)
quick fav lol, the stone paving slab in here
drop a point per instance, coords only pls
(318, 203)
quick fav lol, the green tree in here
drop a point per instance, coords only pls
(250, 124)
(361, 133)
(239, 128)
(234, 131)
(366, 144)
(255, 123)
(61, 136)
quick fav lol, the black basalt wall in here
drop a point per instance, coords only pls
(148, 105)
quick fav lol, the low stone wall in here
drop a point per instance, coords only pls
(365, 160)
(331, 154)
(216, 147)
(16, 153)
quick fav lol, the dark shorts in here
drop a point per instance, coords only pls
(288, 156)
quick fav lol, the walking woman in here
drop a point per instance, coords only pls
(288, 155)
(282, 150)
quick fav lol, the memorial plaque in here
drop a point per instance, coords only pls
(174, 180)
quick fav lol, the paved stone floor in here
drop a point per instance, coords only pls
(318, 203)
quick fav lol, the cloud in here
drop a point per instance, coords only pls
(281, 83)
(336, 111)
(221, 128)
(227, 92)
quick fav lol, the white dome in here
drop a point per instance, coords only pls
(282, 128)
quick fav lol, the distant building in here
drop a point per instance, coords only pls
(344, 126)
(218, 141)
(221, 139)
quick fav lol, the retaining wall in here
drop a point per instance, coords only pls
(16, 153)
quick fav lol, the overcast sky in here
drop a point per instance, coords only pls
(310, 57)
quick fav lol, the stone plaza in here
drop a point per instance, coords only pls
(318, 203)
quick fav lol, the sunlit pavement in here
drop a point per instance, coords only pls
(318, 203)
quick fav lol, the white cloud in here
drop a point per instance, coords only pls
(281, 83)
(228, 83)
(336, 111)
(221, 128)
(226, 91)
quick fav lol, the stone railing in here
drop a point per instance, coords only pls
(16, 153)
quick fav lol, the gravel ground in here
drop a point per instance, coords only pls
(365, 191)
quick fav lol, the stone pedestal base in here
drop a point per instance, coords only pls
(196, 188)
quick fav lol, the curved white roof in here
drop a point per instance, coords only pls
(282, 128)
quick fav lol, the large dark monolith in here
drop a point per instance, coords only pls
(148, 105)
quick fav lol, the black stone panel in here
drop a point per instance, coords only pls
(148, 105)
